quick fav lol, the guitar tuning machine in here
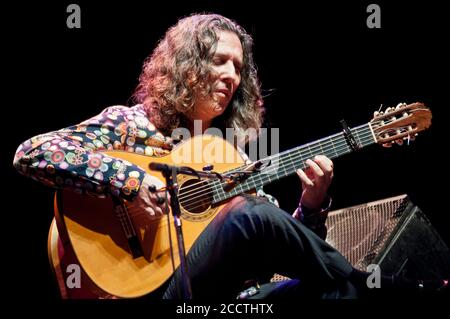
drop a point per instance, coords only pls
(378, 113)
(400, 105)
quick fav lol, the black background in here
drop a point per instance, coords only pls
(318, 63)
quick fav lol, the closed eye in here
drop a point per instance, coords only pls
(218, 61)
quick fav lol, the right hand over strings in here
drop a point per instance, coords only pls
(149, 203)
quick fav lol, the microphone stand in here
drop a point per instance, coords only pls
(170, 173)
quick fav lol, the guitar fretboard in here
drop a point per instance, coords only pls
(286, 163)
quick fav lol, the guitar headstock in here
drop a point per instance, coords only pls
(403, 122)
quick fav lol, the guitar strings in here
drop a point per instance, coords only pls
(195, 200)
(292, 162)
(216, 186)
(189, 205)
(211, 187)
(336, 147)
(286, 163)
(325, 147)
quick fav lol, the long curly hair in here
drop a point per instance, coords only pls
(180, 66)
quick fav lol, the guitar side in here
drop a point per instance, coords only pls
(99, 242)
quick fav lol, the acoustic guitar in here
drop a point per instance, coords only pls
(130, 258)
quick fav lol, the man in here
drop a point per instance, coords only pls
(202, 70)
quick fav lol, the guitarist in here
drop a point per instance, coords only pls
(202, 70)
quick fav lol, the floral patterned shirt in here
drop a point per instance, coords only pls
(70, 157)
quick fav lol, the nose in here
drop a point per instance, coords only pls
(230, 74)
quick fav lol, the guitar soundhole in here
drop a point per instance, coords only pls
(195, 196)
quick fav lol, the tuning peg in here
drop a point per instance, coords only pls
(409, 138)
(399, 105)
(389, 109)
(378, 113)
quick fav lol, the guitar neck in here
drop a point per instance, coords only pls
(286, 163)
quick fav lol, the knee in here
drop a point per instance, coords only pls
(244, 205)
(247, 208)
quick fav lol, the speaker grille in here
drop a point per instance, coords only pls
(360, 232)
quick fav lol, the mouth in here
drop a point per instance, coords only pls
(223, 92)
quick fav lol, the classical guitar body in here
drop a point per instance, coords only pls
(98, 238)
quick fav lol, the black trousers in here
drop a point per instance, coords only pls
(251, 239)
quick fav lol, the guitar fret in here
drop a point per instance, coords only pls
(286, 163)
(357, 138)
(334, 148)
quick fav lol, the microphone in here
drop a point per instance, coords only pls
(159, 167)
(167, 169)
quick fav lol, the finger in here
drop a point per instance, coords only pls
(158, 210)
(324, 163)
(157, 199)
(315, 168)
(164, 193)
(145, 199)
(160, 200)
(151, 210)
(304, 178)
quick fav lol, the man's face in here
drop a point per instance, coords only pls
(226, 77)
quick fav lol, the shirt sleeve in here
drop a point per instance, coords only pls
(314, 219)
(72, 157)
